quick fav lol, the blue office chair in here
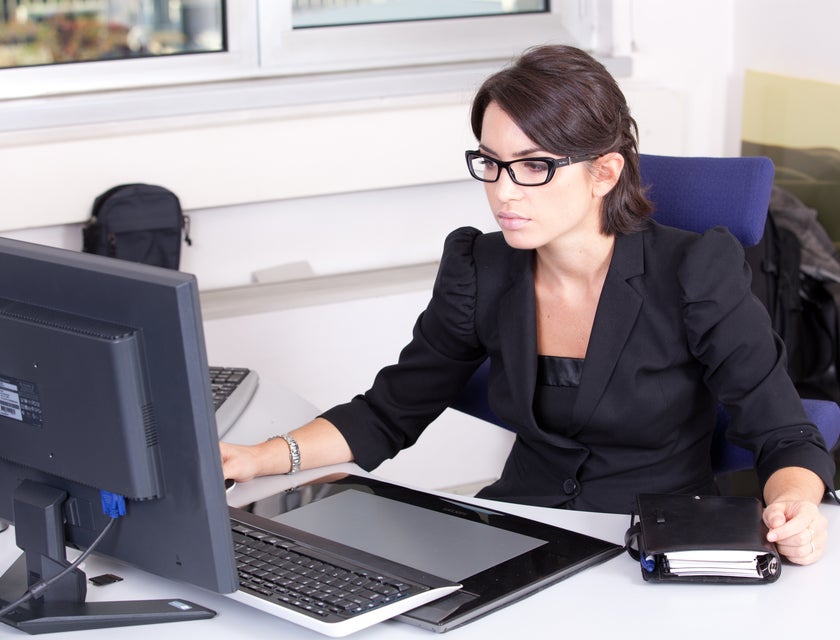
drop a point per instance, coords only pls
(697, 194)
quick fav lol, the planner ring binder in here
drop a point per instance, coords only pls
(717, 539)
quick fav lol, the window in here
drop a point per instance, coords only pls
(485, 30)
(317, 13)
(41, 32)
(259, 54)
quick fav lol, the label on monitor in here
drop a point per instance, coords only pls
(19, 401)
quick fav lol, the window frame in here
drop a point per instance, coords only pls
(289, 51)
(239, 60)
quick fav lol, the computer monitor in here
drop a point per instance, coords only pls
(105, 395)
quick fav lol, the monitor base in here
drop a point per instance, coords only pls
(39, 617)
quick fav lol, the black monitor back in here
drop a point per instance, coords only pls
(176, 523)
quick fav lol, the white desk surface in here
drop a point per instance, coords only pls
(610, 600)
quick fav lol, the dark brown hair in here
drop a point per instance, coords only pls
(569, 104)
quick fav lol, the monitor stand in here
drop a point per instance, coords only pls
(39, 532)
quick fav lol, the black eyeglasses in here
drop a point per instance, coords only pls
(528, 172)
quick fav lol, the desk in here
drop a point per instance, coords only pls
(607, 601)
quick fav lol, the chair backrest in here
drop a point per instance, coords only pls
(696, 193)
(700, 193)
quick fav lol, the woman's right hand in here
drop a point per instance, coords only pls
(319, 442)
(242, 462)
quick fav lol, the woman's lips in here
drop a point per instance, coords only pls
(511, 222)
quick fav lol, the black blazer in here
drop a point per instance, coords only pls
(676, 330)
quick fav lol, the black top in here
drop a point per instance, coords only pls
(557, 385)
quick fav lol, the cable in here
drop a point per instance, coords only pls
(42, 585)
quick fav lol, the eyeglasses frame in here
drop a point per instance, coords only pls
(553, 164)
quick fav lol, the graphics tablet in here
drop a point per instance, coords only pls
(497, 557)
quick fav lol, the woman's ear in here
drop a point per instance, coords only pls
(606, 172)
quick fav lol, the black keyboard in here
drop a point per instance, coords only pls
(311, 582)
(232, 389)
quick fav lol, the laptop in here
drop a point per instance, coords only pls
(473, 560)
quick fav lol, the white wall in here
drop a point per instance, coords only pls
(334, 232)
(794, 38)
(684, 48)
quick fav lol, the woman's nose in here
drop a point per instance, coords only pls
(505, 187)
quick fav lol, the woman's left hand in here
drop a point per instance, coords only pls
(798, 528)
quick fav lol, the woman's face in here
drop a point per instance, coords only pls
(566, 208)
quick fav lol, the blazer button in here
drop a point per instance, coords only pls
(570, 486)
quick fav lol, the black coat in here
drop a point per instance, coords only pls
(676, 330)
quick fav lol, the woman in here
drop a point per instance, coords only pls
(611, 338)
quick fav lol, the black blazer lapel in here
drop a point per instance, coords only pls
(617, 310)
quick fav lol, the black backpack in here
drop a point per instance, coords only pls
(137, 222)
(802, 309)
